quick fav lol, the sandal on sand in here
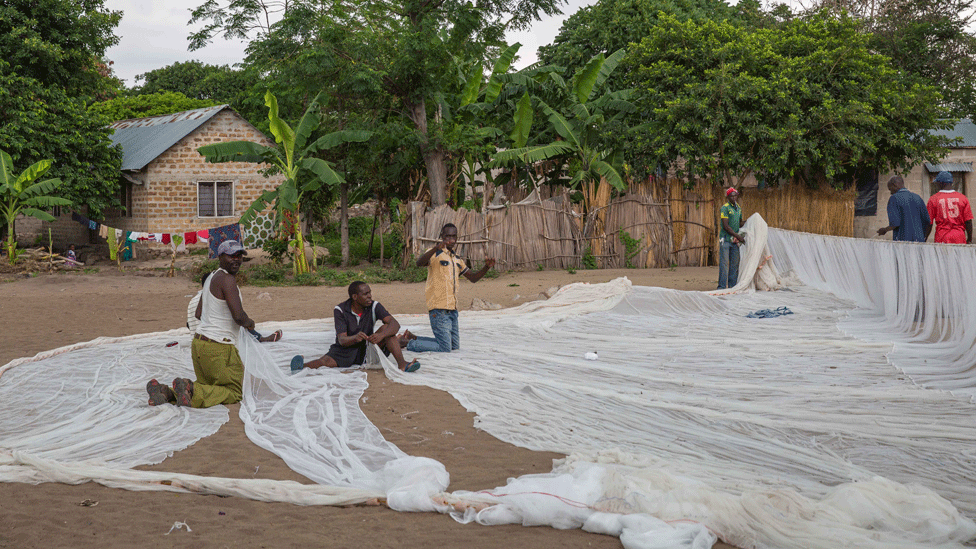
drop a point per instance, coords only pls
(159, 394)
(276, 336)
(297, 363)
(413, 366)
(183, 391)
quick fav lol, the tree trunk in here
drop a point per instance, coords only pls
(433, 155)
(372, 233)
(381, 236)
(344, 222)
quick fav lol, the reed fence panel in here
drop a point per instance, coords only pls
(675, 224)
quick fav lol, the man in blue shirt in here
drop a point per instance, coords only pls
(908, 216)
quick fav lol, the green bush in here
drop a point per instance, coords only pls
(308, 279)
(332, 277)
(632, 247)
(589, 260)
(360, 229)
(264, 275)
(204, 267)
(276, 248)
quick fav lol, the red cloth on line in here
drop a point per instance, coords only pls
(166, 238)
(190, 238)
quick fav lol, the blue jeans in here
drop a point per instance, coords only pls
(728, 265)
(447, 334)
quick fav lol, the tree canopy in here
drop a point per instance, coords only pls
(242, 89)
(404, 50)
(53, 66)
(610, 25)
(931, 39)
(39, 122)
(59, 42)
(807, 102)
(142, 106)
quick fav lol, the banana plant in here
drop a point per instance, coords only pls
(577, 128)
(294, 157)
(23, 194)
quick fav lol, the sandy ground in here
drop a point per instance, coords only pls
(51, 310)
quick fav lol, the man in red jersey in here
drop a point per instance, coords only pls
(950, 213)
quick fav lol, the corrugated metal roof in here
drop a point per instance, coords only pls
(964, 129)
(144, 139)
(949, 167)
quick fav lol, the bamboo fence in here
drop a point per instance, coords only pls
(671, 224)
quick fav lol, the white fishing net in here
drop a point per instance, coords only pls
(692, 420)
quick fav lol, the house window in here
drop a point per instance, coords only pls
(125, 198)
(958, 183)
(215, 198)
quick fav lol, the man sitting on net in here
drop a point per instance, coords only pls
(354, 321)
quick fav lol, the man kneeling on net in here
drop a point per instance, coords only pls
(354, 321)
(216, 362)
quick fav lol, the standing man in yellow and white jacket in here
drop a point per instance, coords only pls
(444, 269)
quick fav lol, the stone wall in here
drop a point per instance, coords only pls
(64, 231)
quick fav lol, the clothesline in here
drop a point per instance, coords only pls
(177, 240)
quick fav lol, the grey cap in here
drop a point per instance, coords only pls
(943, 177)
(230, 247)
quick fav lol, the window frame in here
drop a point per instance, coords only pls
(958, 183)
(215, 184)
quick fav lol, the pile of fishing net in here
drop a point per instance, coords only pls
(846, 423)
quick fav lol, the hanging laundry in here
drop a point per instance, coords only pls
(190, 237)
(220, 234)
(113, 246)
(126, 246)
(177, 243)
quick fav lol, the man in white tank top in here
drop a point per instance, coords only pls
(216, 362)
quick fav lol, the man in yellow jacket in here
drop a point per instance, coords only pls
(444, 269)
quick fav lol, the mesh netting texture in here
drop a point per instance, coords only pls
(847, 423)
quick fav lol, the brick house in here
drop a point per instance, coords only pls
(166, 186)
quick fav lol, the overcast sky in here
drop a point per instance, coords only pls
(153, 35)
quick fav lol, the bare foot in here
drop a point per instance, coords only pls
(405, 338)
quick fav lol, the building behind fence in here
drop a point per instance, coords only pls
(655, 224)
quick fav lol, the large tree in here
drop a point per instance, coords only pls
(219, 84)
(142, 106)
(38, 122)
(610, 25)
(403, 49)
(59, 42)
(932, 39)
(807, 102)
(53, 66)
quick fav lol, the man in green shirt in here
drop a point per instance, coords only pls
(729, 240)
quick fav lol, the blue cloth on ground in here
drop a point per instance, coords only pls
(770, 313)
